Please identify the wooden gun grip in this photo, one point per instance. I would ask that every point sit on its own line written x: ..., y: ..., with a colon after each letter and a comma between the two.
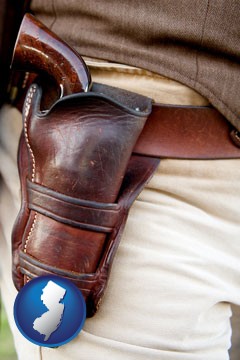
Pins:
x: 39, y: 50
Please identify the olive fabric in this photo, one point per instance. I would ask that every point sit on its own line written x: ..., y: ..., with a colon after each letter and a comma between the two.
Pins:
x: 196, y: 42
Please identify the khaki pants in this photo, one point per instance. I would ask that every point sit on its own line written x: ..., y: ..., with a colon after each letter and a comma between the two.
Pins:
x: 177, y: 269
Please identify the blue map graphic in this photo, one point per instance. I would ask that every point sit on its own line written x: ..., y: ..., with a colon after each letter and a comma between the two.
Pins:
x: 49, y: 311
x: 49, y: 321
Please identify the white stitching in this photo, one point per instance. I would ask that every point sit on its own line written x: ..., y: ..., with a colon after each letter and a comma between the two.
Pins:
x: 30, y: 232
x: 26, y: 113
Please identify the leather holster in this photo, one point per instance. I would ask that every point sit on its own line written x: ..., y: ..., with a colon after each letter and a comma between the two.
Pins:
x: 78, y: 180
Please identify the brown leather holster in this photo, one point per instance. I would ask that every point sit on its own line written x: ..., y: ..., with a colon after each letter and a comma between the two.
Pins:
x: 78, y: 180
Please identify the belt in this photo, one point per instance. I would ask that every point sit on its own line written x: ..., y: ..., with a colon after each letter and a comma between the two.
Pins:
x: 186, y: 132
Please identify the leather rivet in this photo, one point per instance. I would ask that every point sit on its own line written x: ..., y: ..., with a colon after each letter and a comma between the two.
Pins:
x: 235, y: 136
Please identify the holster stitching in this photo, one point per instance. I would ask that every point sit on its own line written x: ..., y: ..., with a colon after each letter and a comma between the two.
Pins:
x: 26, y: 113
x: 27, y: 107
x: 30, y: 232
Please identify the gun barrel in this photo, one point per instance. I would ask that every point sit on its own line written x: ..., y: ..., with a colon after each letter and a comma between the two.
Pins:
x: 39, y: 50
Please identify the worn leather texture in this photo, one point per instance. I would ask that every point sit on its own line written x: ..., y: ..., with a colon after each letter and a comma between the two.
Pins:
x: 188, y: 132
x: 78, y: 183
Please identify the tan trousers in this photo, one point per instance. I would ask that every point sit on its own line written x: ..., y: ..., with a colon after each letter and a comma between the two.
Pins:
x: 177, y: 269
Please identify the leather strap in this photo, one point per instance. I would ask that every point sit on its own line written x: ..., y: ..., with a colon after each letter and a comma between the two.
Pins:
x: 84, y: 214
x: 187, y: 133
